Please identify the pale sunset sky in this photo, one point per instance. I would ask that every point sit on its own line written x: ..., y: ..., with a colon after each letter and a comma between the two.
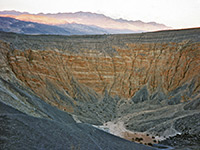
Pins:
x: 174, y: 13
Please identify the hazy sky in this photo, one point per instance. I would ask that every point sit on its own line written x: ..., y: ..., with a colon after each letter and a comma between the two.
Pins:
x: 174, y: 13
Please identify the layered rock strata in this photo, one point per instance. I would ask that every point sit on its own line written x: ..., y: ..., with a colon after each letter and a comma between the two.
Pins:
x: 148, y: 81
x: 85, y: 75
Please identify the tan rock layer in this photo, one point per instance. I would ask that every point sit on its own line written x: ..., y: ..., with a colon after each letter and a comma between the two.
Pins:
x: 157, y: 65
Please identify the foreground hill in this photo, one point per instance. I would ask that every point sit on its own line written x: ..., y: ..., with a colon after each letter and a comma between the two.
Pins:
x: 137, y: 85
x: 21, y: 131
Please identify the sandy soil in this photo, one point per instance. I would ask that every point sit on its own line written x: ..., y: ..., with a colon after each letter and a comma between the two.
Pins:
x: 118, y: 129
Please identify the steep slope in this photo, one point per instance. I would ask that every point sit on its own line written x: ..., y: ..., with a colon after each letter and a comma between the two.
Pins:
x: 147, y: 83
x: 16, y: 128
x: 27, y: 122
x: 112, y: 63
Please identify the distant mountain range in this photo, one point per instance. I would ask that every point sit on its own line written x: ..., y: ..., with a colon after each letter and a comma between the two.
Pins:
x: 72, y: 23
x: 17, y: 26
x: 8, y: 24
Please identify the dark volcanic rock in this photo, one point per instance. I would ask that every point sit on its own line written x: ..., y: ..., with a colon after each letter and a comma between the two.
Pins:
x: 189, y: 127
x: 158, y: 96
x: 141, y: 96
x: 189, y: 124
x: 195, y: 104
x: 184, y: 142
x: 19, y: 131
x: 37, y: 107
x: 175, y: 100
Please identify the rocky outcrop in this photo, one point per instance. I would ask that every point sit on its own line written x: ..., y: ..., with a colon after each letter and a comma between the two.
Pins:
x: 190, y: 137
x: 86, y: 74
x: 147, y: 81
x: 195, y: 104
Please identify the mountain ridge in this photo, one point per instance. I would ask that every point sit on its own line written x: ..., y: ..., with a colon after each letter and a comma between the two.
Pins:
x: 87, y: 18
x: 26, y: 27
x: 13, y: 25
